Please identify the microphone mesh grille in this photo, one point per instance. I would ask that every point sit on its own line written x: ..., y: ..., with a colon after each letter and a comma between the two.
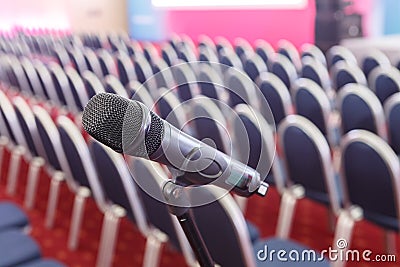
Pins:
x: 154, y: 135
x: 103, y: 118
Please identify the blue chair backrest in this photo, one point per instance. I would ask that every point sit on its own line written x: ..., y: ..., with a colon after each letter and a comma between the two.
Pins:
x: 170, y: 109
x: 49, y: 136
x: 74, y: 158
x: 106, y: 61
x: 241, y: 88
x: 392, y: 112
x: 210, y: 123
x: 340, y: 53
x: 312, y: 102
x: 77, y: 87
x: 92, y: 84
x: 117, y: 182
x: 147, y: 177
x: 284, y: 69
x: 185, y: 81
x: 373, y: 59
x: 344, y: 73
x: 385, y: 82
x: 360, y: 109
x: 223, y: 229
x: 125, y: 68
x: 371, y: 177
x: 209, y: 81
x: 265, y: 51
x: 276, y: 94
x: 299, y: 137
x: 316, y: 71
x: 254, y: 142
x: 254, y: 66
x: 27, y: 122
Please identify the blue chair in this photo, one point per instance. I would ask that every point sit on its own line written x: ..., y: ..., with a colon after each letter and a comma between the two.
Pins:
x: 253, y: 66
x: 253, y: 138
x: 206, y: 41
x: 92, y: 61
x: 61, y: 85
x: 120, y: 188
x: 81, y: 169
x: 340, y: 53
x: 311, y: 50
x: 114, y: 86
x: 12, y: 217
x: 77, y: 88
x: 284, y: 69
x: 17, y: 248
x: 287, y: 49
x: 43, y: 263
x: 185, y: 80
x: 162, y: 74
x: 32, y: 77
x: 277, y: 95
x: 149, y: 51
x: 392, y: 112
x: 142, y: 68
x: 298, y: 136
x: 107, y: 63
x: 228, y: 239
x: 45, y: 80
x: 27, y: 123
x: 144, y: 73
x: 210, y: 82
x: 359, y: 108
x: 313, y: 103
x: 137, y: 91
x: 242, y: 47
x: 54, y: 157
x: 314, y: 70
x: 168, y: 54
x: 19, y: 78
x: 134, y: 48
x: 374, y: 58
x: 229, y: 58
x: 92, y: 84
x: 171, y: 109
x: 77, y: 59
x: 384, y: 82
x: 62, y: 56
x: 312, y: 176
x: 369, y: 168
x: 343, y: 73
x: 207, y: 54
x: 185, y: 52
x: 126, y: 70
x: 265, y: 51
x: 222, y: 43
x: 241, y: 89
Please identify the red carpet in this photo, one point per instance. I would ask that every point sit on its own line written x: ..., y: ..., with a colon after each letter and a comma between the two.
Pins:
x: 310, y: 228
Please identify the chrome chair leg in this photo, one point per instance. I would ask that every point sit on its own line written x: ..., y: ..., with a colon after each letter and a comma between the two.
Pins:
x: 35, y: 166
x: 52, y: 201
x: 13, y: 171
x: 77, y: 217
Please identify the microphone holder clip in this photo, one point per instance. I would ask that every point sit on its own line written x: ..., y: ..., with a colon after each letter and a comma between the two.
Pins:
x: 179, y: 205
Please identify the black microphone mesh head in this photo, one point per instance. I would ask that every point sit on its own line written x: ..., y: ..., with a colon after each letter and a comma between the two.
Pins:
x: 103, y: 118
x: 118, y: 123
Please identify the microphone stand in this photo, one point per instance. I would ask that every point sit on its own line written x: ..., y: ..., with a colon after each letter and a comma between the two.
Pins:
x: 174, y: 193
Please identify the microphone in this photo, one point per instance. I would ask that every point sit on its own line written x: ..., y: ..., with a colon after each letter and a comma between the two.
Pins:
x: 129, y: 127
